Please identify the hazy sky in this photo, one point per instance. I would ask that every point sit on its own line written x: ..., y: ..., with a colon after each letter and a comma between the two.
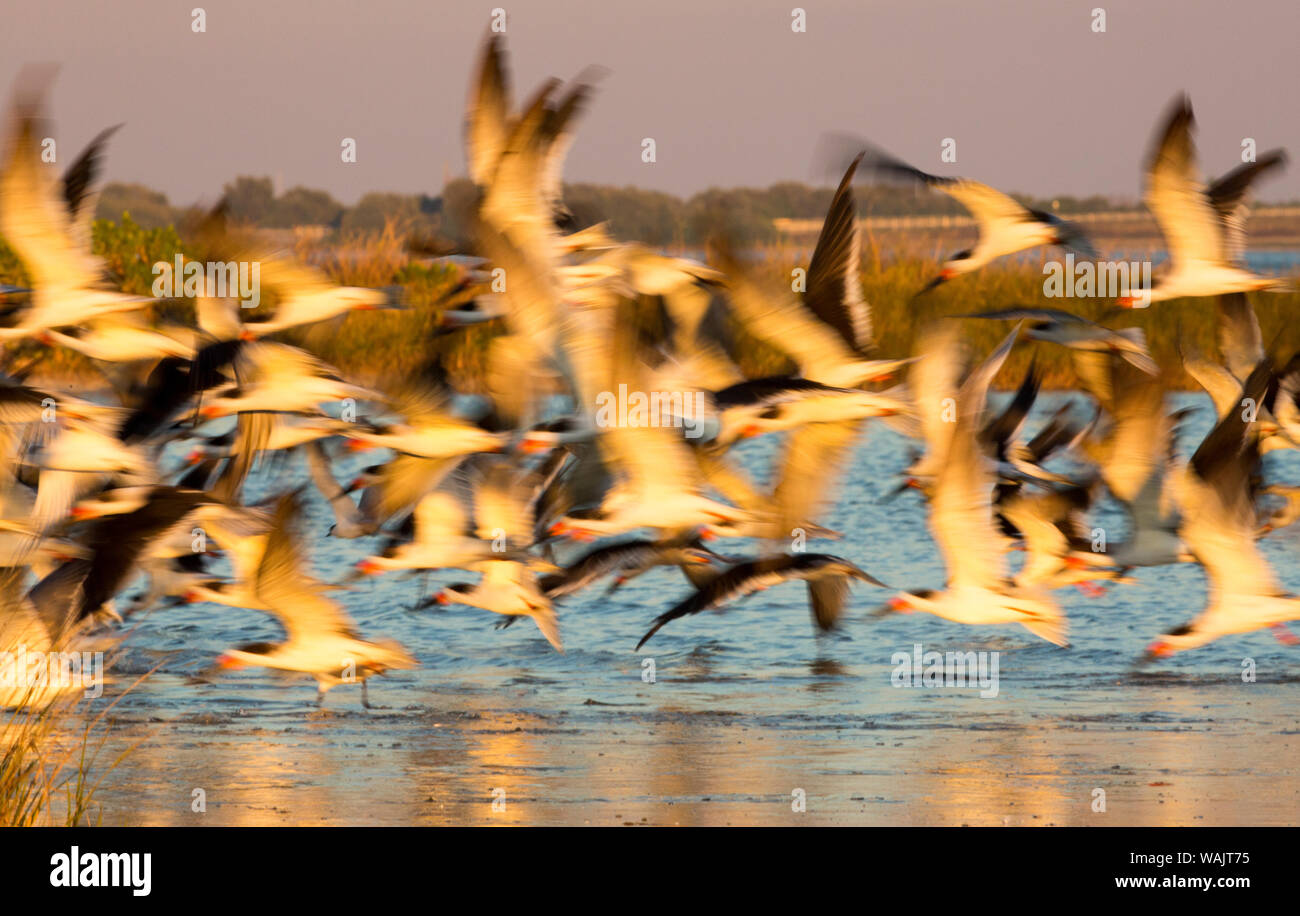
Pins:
x: 1036, y: 101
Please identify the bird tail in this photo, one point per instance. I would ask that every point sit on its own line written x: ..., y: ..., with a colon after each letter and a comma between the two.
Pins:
x: 546, y: 620
x: 1072, y: 238
x: 596, y: 236
x: 1051, y: 627
x: 393, y: 655
x: 1138, y: 357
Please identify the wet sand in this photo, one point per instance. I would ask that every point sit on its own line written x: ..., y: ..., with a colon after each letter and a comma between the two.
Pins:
x: 1196, y: 761
x: 747, y: 706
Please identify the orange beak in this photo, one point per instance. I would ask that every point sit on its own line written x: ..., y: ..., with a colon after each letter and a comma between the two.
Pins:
x: 531, y: 446
x: 442, y: 598
x: 898, y: 603
x: 228, y: 663
x: 357, y: 445
x: 209, y: 411
x: 750, y: 431
x: 367, y: 568
x: 81, y: 512
x: 1160, y: 649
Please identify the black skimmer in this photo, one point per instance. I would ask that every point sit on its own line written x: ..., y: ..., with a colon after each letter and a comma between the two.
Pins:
x: 828, y: 579
x: 1215, y: 490
x: 277, y: 378
x: 320, y: 638
x: 442, y: 538
x: 1058, y: 544
x: 507, y: 587
x: 307, y: 296
x: 961, y: 509
x: 625, y: 560
x: 122, y: 338
x: 1204, y: 227
x: 779, y: 403
x: 1132, y: 446
x: 349, y: 521
x: 1005, y: 225
x: 1069, y: 330
x: 49, y: 231
x: 828, y: 332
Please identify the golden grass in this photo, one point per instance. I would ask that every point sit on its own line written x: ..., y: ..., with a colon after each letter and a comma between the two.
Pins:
x: 49, y: 771
x: 389, y: 347
x: 890, y: 285
x: 44, y: 779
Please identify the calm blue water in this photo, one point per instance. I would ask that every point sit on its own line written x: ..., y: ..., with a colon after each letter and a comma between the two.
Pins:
x: 1261, y: 262
x: 747, y: 705
x: 1265, y: 262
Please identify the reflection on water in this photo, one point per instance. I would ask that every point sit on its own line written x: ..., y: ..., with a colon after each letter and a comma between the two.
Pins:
x: 745, y: 707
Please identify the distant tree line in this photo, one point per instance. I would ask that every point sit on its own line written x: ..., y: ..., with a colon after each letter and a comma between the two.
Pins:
x: 653, y: 217
x: 253, y: 201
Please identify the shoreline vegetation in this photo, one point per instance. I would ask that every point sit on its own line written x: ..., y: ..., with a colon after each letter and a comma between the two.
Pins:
x: 655, y: 218
x: 52, y: 763
x: 900, y: 253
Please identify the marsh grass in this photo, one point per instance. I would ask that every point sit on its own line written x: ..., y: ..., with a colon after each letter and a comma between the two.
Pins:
x: 49, y: 767
x: 390, y: 347
x: 891, y: 283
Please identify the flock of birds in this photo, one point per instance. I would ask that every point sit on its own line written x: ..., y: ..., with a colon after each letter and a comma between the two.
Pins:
x: 505, y: 484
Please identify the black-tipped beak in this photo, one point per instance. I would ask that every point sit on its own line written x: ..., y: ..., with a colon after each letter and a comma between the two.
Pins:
x: 937, y: 281
x: 895, y: 493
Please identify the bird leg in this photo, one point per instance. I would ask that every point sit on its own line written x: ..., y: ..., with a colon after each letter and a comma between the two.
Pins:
x: 1091, y: 589
x: 424, y: 587
x: 1284, y: 635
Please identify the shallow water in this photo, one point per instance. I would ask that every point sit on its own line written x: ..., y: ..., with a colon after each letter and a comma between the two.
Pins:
x: 748, y: 707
